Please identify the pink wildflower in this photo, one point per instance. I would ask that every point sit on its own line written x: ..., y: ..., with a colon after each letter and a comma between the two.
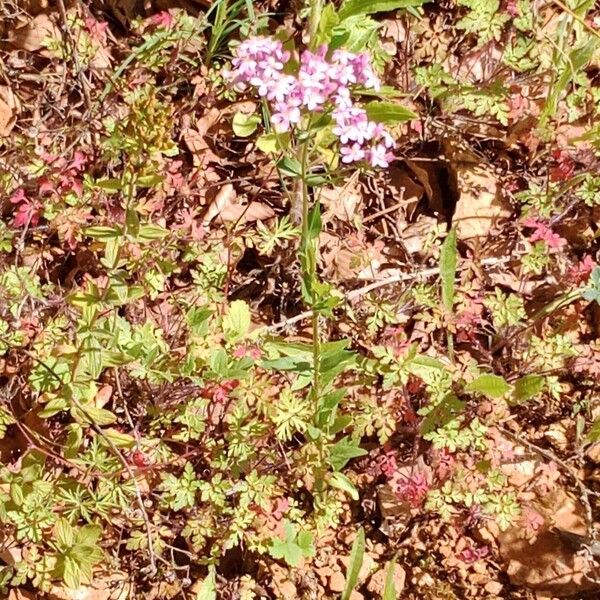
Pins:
x: 320, y: 84
x: 285, y: 116
x: 379, y: 156
x: 352, y: 153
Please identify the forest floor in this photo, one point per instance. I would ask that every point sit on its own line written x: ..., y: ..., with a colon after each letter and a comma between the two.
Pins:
x: 299, y: 300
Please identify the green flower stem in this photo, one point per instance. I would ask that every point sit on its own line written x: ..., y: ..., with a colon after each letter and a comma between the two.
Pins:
x: 311, y: 264
x: 314, y: 18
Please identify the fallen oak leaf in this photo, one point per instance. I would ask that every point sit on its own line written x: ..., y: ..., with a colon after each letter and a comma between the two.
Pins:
x: 228, y: 210
x: 35, y: 35
x: 9, y: 110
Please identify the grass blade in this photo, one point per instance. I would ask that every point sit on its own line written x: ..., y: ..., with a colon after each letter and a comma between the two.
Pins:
x: 356, y: 560
x: 389, y: 591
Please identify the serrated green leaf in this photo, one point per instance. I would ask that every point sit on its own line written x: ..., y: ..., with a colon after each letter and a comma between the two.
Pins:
x: 208, y: 589
x: 305, y: 543
x: 492, y: 386
x: 71, y: 573
x: 245, y: 125
x: 356, y: 559
x: 293, y: 547
x: 88, y: 535
x: 388, y: 112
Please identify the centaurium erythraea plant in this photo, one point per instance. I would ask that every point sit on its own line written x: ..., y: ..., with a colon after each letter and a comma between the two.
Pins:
x: 324, y: 82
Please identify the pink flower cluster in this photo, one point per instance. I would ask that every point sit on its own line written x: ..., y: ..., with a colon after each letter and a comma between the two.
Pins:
x: 321, y: 84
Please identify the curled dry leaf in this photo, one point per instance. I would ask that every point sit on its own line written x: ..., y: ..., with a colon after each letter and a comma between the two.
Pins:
x: 35, y: 34
x: 225, y: 208
x: 341, y: 201
x: 548, y: 563
x: 103, y: 396
x: 195, y: 138
x: 480, y: 205
x: 9, y: 110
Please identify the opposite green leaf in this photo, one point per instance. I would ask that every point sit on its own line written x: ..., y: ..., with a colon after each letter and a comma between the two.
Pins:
x: 344, y: 451
x: 448, y: 262
x: 528, y: 387
x: 389, y: 112
x: 492, y: 386
x: 341, y: 482
x: 245, y: 125
x: 369, y: 7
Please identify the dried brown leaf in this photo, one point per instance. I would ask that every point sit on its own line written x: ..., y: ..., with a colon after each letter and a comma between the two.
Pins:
x: 34, y: 35
x: 9, y: 110
x: 480, y: 205
x: 225, y: 208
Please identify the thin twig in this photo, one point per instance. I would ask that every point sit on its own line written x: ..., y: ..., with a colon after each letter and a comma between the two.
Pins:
x: 80, y: 75
x: 354, y: 294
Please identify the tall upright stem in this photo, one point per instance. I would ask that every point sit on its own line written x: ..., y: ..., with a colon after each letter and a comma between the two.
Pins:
x: 311, y: 268
x: 313, y: 20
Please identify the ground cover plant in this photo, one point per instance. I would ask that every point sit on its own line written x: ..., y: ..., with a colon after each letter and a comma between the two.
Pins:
x: 299, y: 299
